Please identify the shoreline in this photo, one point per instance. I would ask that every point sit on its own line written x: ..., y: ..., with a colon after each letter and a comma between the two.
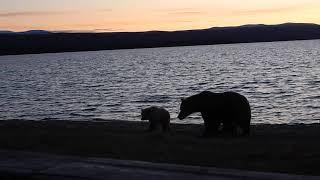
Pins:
x: 139, y: 121
x: 281, y: 148
x: 138, y: 48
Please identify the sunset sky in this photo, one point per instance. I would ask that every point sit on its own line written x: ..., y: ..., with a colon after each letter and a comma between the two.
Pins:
x: 145, y: 15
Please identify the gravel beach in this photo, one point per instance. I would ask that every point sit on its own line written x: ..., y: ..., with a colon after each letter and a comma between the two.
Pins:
x: 293, y: 149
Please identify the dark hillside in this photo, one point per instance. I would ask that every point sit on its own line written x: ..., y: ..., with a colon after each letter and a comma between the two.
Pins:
x: 24, y: 43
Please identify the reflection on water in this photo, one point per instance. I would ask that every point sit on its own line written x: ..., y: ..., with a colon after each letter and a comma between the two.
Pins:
x: 280, y: 79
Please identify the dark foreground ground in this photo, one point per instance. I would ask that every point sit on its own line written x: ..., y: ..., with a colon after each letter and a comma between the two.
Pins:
x: 293, y: 149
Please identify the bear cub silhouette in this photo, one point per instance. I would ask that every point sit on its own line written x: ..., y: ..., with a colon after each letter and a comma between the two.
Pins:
x: 229, y: 110
x: 157, y: 116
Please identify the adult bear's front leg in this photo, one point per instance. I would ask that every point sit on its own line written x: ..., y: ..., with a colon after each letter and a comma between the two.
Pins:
x: 228, y: 126
x: 211, y: 126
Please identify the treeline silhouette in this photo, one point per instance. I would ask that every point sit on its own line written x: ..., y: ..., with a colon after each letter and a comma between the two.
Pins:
x: 26, y: 43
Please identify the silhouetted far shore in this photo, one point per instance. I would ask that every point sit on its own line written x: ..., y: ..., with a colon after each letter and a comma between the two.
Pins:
x: 46, y: 42
x: 283, y: 148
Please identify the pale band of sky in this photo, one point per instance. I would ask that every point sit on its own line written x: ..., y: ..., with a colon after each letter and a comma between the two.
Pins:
x: 146, y: 15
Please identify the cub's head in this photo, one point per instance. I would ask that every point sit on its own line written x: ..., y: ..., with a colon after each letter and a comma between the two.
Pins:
x: 146, y: 113
x: 185, y: 109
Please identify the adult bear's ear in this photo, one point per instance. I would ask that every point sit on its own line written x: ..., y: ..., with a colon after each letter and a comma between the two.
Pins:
x: 182, y: 99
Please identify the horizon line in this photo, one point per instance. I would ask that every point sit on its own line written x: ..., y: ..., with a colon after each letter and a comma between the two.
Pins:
x: 111, y: 31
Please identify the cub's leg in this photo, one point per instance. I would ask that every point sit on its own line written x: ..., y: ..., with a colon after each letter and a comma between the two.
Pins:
x: 152, y: 126
x: 165, y: 127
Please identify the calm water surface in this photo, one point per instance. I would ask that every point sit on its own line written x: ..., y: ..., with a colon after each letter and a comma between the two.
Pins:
x: 280, y: 79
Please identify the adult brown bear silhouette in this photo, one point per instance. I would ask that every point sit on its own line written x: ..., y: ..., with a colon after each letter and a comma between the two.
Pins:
x: 229, y: 109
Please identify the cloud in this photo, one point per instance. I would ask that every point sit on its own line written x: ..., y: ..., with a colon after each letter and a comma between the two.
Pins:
x: 32, y: 13
x: 268, y: 11
x: 183, y: 21
x: 188, y: 13
x: 107, y: 30
x: 105, y: 10
x: 182, y: 11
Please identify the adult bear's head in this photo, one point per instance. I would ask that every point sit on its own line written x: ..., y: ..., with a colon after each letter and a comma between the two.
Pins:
x: 185, y: 108
x: 192, y: 104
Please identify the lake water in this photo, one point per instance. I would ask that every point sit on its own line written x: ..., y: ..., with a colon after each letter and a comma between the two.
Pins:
x: 280, y: 79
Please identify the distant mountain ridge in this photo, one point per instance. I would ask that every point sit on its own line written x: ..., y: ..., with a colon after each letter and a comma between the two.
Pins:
x: 40, y: 41
x: 35, y: 32
x: 26, y: 32
x: 5, y: 32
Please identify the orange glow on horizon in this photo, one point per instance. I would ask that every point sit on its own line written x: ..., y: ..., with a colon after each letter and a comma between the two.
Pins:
x: 143, y: 15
